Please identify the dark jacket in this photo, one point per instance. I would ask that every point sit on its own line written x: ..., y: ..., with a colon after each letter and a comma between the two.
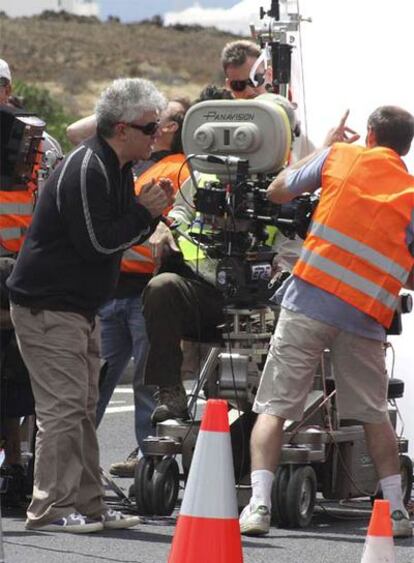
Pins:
x: 86, y: 216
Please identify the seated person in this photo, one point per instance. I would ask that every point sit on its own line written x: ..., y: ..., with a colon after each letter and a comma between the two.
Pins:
x: 182, y: 301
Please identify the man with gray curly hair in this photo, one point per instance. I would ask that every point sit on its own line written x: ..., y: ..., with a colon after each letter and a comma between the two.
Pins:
x: 68, y: 267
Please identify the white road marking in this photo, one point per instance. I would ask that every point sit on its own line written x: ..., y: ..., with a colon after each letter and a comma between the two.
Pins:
x: 114, y: 410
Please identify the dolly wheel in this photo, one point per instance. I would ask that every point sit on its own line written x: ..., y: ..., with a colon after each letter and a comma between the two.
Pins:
x: 279, y: 488
x: 165, y: 486
x: 406, y: 468
x: 300, y: 496
x: 144, y: 472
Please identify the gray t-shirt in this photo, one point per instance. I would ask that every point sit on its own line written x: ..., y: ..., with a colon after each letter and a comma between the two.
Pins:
x: 303, y: 297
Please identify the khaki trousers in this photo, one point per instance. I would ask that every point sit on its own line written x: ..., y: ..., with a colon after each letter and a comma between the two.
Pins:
x: 358, y: 366
x: 61, y: 352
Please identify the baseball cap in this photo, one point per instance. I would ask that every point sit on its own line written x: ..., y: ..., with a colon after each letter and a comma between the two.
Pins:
x: 5, y: 70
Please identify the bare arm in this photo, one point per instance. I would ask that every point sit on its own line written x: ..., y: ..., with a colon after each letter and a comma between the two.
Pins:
x: 82, y: 129
x: 278, y: 191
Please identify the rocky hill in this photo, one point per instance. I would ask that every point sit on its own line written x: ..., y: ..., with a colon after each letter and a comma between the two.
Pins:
x: 75, y: 57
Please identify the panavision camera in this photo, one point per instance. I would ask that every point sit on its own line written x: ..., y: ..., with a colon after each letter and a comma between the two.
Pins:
x: 20, y: 137
x: 237, y: 147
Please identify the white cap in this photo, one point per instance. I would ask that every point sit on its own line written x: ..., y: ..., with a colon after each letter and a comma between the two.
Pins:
x: 5, y: 70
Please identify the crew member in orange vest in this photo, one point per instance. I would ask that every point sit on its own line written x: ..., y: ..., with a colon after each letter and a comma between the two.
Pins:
x: 16, y: 207
x: 123, y: 332
x: 342, y: 295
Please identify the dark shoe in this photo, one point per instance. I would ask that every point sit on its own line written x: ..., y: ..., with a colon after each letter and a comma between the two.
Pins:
x: 172, y: 404
x: 12, y: 487
x: 125, y: 468
x: 74, y: 523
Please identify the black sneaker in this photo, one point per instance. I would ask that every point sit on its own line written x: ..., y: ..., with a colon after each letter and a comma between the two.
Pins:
x: 173, y: 404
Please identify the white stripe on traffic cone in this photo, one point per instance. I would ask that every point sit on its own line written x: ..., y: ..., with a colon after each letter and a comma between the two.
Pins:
x: 208, y: 527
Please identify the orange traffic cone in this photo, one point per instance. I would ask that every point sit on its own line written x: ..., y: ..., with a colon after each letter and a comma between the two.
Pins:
x: 379, y: 545
x: 208, y: 526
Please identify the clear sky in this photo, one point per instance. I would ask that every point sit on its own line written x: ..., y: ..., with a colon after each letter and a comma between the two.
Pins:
x: 135, y: 10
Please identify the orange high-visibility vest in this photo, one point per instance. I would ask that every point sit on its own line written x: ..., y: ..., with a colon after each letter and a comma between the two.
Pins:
x: 138, y: 259
x: 16, y: 210
x: 356, y: 248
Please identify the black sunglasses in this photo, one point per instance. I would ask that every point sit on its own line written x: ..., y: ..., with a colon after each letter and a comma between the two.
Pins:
x: 148, y: 129
x: 240, y: 85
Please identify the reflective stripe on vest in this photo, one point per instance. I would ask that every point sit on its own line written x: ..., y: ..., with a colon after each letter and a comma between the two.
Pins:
x: 134, y: 256
x: 360, y: 249
x: 354, y: 280
x: 357, y: 248
x: 138, y: 260
x: 8, y: 208
x: 12, y: 233
x: 16, y: 208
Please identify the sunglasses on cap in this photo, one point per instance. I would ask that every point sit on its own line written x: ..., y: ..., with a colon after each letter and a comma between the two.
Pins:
x: 240, y: 85
x: 148, y: 129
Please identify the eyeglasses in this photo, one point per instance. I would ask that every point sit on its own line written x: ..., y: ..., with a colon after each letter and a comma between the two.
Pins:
x: 240, y: 85
x: 148, y: 129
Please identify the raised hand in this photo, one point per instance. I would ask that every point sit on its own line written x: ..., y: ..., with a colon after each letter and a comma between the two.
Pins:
x: 341, y: 133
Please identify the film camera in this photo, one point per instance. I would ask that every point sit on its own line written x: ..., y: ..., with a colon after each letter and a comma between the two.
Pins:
x: 241, y: 146
x: 28, y: 154
x: 21, y: 134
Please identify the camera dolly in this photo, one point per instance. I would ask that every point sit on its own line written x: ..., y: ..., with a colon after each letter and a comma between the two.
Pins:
x: 321, y: 455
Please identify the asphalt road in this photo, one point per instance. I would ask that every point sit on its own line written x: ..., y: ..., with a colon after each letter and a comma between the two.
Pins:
x: 334, y: 536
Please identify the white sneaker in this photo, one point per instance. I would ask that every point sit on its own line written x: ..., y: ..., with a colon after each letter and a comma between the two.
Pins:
x: 401, y: 525
x: 74, y: 523
x: 255, y: 521
x: 116, y: 520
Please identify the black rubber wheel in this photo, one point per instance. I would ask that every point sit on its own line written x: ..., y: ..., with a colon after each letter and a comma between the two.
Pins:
x: 406, y: 477
x: 165, y: 486
x: 395, y: 388
x: 300, y: 496
x: 144, y: 472
x: 278, y: 495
